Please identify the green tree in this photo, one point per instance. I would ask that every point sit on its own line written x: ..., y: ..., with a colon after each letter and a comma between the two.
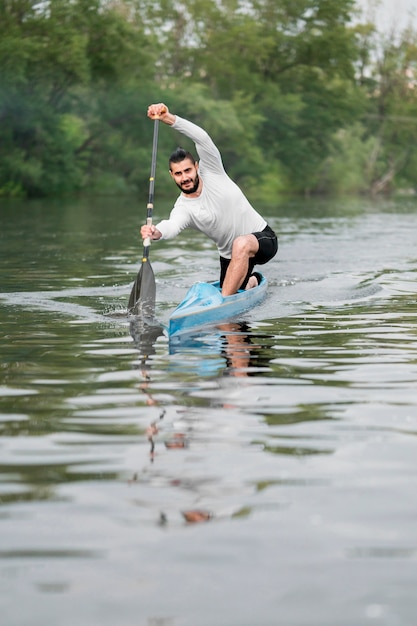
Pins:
x: 392, y: 112
x: 298, y: 98
x: 61, y: 64
x: 292, y: 61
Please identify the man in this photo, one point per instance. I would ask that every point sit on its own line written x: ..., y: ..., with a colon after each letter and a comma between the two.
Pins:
x: 213, y: 204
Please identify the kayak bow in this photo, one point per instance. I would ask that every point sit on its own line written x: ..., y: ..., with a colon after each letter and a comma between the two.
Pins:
x: 204, y: 304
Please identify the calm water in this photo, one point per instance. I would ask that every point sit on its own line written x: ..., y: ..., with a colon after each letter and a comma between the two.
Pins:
x: 290, y: 431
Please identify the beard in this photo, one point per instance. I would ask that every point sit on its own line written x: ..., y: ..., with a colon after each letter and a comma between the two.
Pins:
x: 192, y: 189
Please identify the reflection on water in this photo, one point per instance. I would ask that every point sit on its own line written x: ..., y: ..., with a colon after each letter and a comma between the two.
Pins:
x: 144, y: 338
x: 290, y: 433
x: 233, y: 345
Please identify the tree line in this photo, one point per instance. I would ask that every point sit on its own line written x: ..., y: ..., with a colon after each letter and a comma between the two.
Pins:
x: 301, y: 96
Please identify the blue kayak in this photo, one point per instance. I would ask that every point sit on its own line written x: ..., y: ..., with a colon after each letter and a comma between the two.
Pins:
x: 204, y: 304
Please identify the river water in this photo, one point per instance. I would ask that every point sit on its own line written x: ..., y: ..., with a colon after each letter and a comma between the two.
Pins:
x: 259, y: 473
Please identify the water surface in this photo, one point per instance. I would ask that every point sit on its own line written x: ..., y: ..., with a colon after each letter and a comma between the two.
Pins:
x: 291, y: 431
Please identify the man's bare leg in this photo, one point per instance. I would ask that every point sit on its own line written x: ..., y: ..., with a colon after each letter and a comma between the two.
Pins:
x: 244, y: 248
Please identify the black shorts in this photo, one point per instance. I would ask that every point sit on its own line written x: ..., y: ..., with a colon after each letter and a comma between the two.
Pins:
x: 268, y: 247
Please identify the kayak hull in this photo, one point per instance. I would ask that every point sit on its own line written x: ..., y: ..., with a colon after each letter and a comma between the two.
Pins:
x: 204, y: 304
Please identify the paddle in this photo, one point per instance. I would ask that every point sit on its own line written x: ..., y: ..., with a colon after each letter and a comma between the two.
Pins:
x: 142, y: 297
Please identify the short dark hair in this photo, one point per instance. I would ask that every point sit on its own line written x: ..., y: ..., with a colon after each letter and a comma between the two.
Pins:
x: 179, y: 155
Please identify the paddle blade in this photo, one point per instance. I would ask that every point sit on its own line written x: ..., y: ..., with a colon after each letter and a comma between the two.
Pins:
x: 142, y: 296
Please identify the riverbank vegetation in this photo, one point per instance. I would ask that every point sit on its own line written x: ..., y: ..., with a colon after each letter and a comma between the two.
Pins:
x: 302, y: 97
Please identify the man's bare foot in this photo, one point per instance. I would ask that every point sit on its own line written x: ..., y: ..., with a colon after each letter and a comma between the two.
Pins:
x: 252, y: 282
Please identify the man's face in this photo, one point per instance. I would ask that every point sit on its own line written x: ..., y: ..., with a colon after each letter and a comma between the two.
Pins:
x: 185, y: 175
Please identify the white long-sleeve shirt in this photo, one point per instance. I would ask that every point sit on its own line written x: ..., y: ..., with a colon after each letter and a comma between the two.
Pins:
x: 222, y: 211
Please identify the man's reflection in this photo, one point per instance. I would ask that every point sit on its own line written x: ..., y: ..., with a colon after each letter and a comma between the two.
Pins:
x: 237, y: 348
x: 229, y: 349
x: 241, y: 352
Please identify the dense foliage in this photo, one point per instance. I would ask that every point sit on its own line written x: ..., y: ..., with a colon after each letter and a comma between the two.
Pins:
x: 300, y: 95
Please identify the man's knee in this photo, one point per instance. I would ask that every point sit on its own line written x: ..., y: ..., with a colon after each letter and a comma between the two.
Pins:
x: 245, y: 245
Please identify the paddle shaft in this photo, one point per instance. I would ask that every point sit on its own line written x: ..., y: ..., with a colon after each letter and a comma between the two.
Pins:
x: 149, y: 211
x: 142, y: 296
